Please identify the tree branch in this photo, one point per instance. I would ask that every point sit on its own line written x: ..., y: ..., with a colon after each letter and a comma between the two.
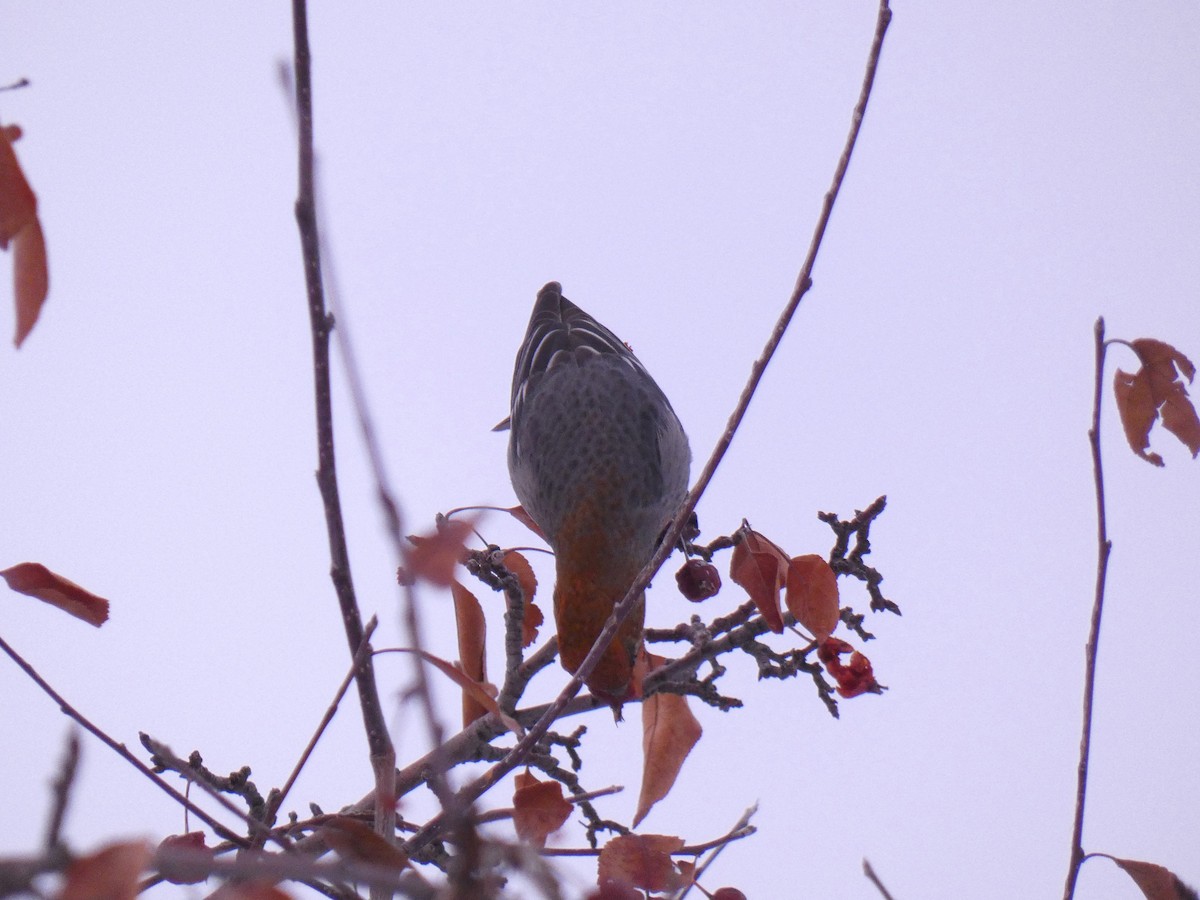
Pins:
x: 383, y: 755
x: 1104, y: 548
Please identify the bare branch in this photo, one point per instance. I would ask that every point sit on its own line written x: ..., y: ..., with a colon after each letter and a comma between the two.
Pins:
x: 874, y: 879
x: 383, y: 755
x: 1104, y: 548
x: 277, y: 798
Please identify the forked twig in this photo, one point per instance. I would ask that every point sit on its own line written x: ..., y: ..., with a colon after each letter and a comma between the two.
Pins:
x: 277, y: 799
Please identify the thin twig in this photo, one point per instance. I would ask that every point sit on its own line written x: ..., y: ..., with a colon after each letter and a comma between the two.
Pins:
x: 625, y: 607
x: 384, y: 493
x: 743, y: 825
x: 124, y: 753
x: 1104, y: 546
x: 383, y: 754
x: 276, y: 801
x: 62, y: 790
x: 874, y: 879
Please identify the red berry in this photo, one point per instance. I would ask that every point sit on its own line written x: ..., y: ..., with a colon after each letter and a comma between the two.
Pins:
x: 728, y: 893
x: 698, y: 580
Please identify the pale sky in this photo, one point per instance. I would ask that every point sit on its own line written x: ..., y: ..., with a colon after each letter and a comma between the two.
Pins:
x: 1024, y: 168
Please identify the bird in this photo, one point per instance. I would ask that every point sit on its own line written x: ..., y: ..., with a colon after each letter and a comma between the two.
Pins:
x: 600, y: 462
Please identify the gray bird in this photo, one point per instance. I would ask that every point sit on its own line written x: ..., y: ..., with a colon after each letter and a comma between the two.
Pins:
x: 600, y: 462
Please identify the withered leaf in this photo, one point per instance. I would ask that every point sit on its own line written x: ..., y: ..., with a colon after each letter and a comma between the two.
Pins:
x: 1157, y: 390
x: 641, y: 860
x: 539, y: 808
x: 1156, y: 882
x: 435, y: 556
x: 518, y: 513
x: 19, y: 225
x: 760, y: 567
x: 472, y: 647
x: 852, y: 679
x: 812, y: 594
x: 35, y: 580
x: 482, y: 693
x: 669, y: 732
x: 517, y: 564
x: 356, y: 840
x: 110, y: 873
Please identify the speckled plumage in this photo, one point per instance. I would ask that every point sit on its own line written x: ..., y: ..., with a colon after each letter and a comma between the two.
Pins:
x: 599, y: 460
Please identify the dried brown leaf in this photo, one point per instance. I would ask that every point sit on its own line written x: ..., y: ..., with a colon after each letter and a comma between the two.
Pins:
x: 472, y: 647
x: 760, y: 567
x: 517, y: 564
x: 19, y: 225
x: 641, y: 860
x: 483, y: 694
x: 1157, y: 390
x: 518, y: 513
x: 1155, y: 881
x: 356, y: 840
x: 35, y: 580
x: 435, y: 556
x: 108, y: 874
x: 539, y: 808
x: 669, y: 732
x: 812, y: 594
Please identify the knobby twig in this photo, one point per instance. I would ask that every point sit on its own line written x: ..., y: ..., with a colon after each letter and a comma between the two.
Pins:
x: 216, y: 786
x: 624, y: 608
x: 1104, y: 546
x: 123, y: 752
x: 383, y: 754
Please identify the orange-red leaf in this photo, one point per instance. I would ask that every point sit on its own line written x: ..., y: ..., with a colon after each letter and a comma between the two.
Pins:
x: 434, y: 556
x: 761, y: 569
x: 108, y: 874
x: 539, y: 808
x: 853, y: 679
x: 19, y: 224
x: 518, y: 513
x: 519, y: 566
x: 18, y: 203
x: 184, y: 858
x: 641, y: 860
x: 812, y: 594
x: 613, y: 890
x: 35, y: 580
x: 1155, y: 881
x: 669, y: 732
x: 472, y: 647
x: 1155, y: 390
x: 483, y: 694
x: 356, y: 840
